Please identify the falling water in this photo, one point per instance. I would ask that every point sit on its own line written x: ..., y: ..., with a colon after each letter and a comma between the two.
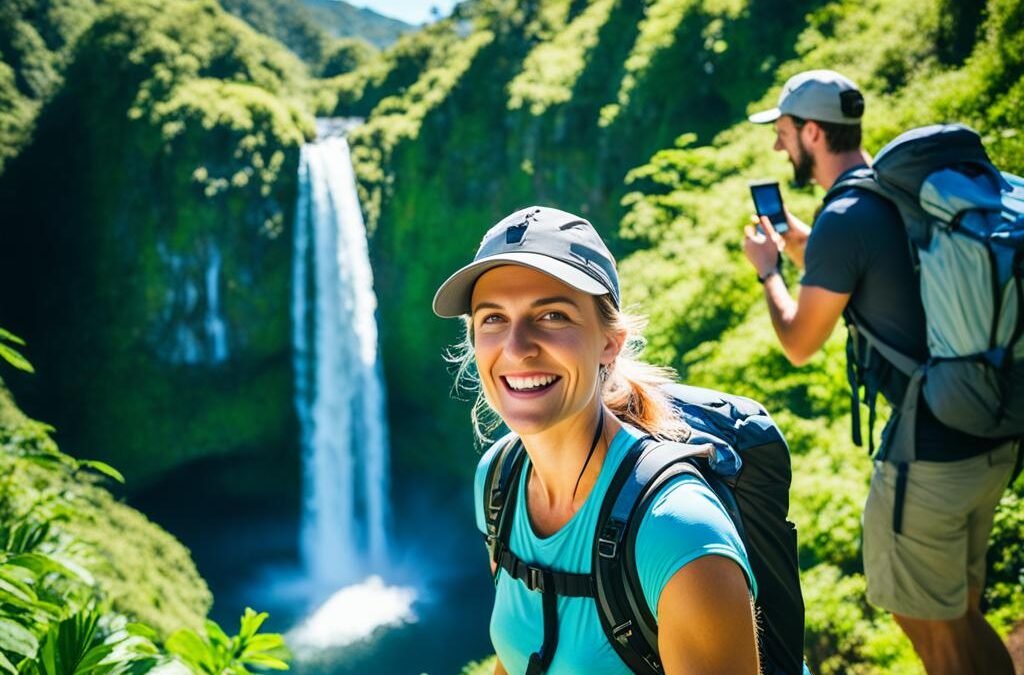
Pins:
x: 192, y: 329
x: 339, y: 395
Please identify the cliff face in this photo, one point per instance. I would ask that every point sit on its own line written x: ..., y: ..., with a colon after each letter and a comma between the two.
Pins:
x: 552, y: 103
x: 147, y: 232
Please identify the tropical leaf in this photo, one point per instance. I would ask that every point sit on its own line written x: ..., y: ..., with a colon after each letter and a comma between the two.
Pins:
x: 15, y: 585
x: 263, y: 643
x: 103, y: 468
x: 11, y: 337
x: 16, y: 638
x: 191, y: 649
x: 141, y: 630
x: 5, y: 664
x: 15, y: 359
x: 217, y: 638
x: 264, y: 661
x: 250, y: 623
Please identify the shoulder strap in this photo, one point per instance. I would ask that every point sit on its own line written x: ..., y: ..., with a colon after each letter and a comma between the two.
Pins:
x: 499, y: 490
x: 625, y: 617
x: 863, y: 178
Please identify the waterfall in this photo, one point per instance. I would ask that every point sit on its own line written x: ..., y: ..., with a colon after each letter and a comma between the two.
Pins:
x: 191, y: 329
x: 339, y: 393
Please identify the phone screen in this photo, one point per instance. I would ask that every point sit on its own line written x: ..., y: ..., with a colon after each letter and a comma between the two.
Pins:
x: 768, y: 202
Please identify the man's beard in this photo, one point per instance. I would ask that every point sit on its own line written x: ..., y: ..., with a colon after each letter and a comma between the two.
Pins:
x: 803, y: 166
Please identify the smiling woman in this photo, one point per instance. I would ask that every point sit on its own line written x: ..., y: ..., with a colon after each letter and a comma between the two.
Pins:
x: 556, y: 361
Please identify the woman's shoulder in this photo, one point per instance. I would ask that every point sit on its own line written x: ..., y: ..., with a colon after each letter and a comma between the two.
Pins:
x: 683, y: 522
x: 686, y: 505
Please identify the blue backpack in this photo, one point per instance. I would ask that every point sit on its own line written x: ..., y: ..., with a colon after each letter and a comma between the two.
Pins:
x: 753, y: 487
x: 965, y: 227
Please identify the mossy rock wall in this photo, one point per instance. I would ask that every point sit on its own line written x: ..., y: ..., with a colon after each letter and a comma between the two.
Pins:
x: 149, y: 269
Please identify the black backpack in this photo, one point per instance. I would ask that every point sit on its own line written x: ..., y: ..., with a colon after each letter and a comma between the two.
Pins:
x: 756, y: 499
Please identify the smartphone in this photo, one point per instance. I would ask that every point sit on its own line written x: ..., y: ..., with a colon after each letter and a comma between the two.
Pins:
x: 768, y: 202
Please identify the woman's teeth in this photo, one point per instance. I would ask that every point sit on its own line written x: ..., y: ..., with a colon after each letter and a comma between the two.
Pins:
x: 530, y: 383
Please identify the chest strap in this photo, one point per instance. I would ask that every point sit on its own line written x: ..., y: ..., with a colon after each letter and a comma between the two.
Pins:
x: 547, y: 581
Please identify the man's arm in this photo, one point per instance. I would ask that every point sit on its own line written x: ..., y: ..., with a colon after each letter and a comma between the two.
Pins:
x: 802, y: 325
x: 706, y: 622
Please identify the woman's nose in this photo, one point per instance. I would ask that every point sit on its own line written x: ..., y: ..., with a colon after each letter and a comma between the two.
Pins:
x: 521, y: 343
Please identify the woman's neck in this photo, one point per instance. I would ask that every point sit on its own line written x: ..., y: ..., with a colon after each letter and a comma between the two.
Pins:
x: 558, y: 455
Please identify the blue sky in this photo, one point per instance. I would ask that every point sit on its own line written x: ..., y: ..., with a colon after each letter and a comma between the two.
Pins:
x: 410, y: 11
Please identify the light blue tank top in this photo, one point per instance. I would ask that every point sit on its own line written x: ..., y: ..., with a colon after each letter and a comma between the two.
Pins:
x: 684, y: 522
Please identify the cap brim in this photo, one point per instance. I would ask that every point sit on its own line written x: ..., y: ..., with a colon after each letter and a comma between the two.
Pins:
x: 453, y: 297
x: 765, y: 116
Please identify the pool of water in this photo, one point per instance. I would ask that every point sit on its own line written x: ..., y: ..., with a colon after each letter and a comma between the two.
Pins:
x: 427, y: 612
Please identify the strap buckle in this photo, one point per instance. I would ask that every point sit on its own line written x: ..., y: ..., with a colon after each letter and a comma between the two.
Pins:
x: 534, y: 578
x: 608, y: 542
x: 623, y: 632
x: 496, y: 504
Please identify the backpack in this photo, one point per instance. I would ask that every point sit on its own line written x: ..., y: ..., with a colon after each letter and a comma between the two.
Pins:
x: 965, y: 226
x: 751, y: 479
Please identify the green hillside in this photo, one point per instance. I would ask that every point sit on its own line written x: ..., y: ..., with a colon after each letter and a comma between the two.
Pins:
x: 315, y: 29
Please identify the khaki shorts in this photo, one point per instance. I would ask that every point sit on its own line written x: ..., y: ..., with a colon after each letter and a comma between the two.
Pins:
x: 924, y: 572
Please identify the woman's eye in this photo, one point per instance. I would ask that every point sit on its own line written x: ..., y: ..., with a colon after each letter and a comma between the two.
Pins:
x: 491, y: 318
x: 555, y: 315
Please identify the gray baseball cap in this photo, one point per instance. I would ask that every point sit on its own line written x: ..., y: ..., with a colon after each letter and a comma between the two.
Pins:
x: 554, y: 242
x: 822, y: 95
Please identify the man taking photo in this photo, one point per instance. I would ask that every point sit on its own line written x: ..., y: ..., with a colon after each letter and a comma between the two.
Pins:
x: 926, y: 527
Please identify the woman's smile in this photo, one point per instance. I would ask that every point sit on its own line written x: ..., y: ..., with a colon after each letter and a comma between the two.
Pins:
x: 529, y: 385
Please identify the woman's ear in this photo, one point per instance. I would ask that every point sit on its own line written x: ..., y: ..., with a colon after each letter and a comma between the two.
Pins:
x: 613, y: 345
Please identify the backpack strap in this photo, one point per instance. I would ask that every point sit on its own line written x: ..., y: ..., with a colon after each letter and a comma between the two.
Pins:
x: 863, y: 178
x: 499, y: 490
x: 625, y: 617
x: 904, y: 437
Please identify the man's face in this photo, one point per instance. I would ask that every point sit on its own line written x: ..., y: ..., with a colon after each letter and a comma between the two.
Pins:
x: 787, y: 138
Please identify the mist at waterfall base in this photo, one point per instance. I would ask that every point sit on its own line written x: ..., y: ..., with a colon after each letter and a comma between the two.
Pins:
x: 364, y: 576
x: 250, y: 557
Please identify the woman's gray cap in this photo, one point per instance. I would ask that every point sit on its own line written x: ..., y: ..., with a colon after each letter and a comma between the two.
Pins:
x: 817, y: 95
x: 554, y: 242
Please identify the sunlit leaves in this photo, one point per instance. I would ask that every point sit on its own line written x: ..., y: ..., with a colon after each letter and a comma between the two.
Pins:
x: 11, y: 355
x: 217, y: 653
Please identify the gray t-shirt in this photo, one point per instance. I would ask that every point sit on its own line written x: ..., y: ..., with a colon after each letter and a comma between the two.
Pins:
x: 858, y: 245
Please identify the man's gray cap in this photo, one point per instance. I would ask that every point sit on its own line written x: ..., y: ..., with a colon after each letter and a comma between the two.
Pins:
x: 817, y: 95
x: 554, y: 242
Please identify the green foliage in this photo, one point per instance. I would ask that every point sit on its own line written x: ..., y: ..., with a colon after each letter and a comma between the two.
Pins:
x: 346, y: 55
x: 187, y: 126
x: 217, y: 654
x: 398, y: 118
x: 82, y: 644
x: 844, y: 634
x: 65, y: 542
x: 551, y: 70
x: 71, y: 573
x: 11, y: 355
x: 482, y: 667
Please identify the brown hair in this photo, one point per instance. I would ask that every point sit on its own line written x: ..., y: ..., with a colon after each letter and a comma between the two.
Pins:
x: 633, y: 389
x: 838, y: 137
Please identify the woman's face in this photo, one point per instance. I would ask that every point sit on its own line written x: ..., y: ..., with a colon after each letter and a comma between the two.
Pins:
x: 538, y: 344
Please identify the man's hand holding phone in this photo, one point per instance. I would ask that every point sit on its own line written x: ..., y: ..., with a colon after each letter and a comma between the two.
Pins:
x: 763, y: 247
